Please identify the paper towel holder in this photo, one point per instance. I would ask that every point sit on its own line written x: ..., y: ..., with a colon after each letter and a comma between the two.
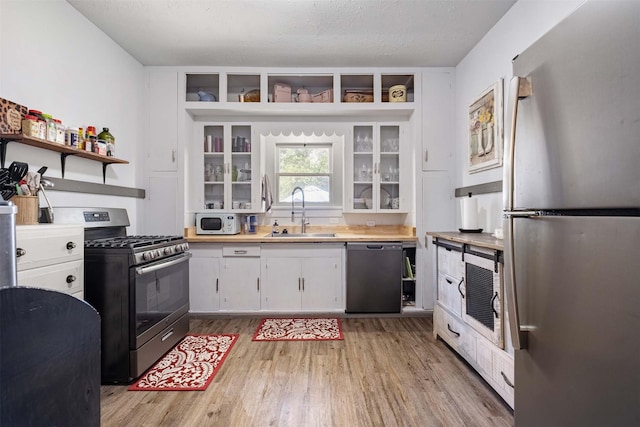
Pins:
x: 470, y: 230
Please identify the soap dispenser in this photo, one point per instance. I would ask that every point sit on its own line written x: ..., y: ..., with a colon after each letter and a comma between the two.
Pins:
x: 275, y: 227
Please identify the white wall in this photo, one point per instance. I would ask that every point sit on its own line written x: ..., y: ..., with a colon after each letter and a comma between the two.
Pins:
x: 54, y: 60
x: 487, y: 62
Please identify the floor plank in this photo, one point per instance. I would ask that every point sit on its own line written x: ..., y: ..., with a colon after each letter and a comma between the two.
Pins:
x: 388, y: 371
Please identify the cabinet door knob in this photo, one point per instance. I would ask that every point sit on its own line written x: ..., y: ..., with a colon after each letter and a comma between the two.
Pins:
x: 71, y: 245
x: 20, y: 252
x: 71, y: 278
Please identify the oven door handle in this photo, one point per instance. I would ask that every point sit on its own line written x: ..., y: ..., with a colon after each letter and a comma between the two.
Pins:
x: 159, y: 266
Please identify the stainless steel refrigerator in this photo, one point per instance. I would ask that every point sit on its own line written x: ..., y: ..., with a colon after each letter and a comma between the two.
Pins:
x: 572, y: 221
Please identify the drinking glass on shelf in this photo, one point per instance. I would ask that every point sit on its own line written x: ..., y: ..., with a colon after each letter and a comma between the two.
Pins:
x: 368, y: 143
x: 359, y: 143
x: 208, y: 171
x: 363, y: 173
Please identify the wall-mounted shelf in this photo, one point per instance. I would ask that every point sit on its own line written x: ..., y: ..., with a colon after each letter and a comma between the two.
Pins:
x: 65, y: 151
x: 208, y: 110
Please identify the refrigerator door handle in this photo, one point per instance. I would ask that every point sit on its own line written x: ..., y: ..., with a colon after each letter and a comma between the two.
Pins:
x: 519, y: 337
x: 521, y: 214
x: 519, y: 88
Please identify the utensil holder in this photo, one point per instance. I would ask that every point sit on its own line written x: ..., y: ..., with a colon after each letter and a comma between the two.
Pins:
x: 27, y: 209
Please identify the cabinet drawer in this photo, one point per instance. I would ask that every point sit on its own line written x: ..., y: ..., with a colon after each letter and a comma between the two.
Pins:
x: 503, y: 374
x: 449, y: 293
x: 456, y: 333
x: 450, y: 263
x: 247, y: 251
x: 42, y: 245
x: 484, y: 357
x: 67, y: 277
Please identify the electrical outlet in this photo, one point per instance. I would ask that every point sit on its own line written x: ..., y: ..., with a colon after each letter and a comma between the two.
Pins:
x: 371, y: 223
x: 333, y: 220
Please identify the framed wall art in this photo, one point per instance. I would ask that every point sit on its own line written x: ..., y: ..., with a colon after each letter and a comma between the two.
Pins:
x: 485, y: 129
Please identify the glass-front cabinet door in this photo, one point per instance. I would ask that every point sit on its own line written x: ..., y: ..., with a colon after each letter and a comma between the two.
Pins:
x: 376, y: 179
x: 389, y: 168
x: 230, y: 160
x: 215, y: 167
x: 363, y: 163
x: 241, y: 168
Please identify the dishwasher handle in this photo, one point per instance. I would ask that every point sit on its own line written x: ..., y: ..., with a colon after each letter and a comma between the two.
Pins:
x: 374, y: 246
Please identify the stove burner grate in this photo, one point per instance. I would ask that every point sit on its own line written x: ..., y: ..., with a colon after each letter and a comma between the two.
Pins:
x: 131, y: 241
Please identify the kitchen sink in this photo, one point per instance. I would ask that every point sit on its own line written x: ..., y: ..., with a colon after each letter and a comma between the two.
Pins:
x: 301, y: 235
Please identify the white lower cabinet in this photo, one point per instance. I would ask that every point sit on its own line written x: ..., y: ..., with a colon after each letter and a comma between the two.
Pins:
x: 493, y: 363
x: 224, y: 278
x: 204, y: 278
x: 66, y: 278
x: 304, y: 278
x: 278, y: 277
x: 240, y: 283
x: 503, y: 375
x: 51, y: 257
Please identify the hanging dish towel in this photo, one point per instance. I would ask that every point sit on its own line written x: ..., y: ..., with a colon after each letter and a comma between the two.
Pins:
x: 266, y: 193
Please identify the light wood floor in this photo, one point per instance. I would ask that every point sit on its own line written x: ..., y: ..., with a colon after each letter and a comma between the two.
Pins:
x: 388, y: 371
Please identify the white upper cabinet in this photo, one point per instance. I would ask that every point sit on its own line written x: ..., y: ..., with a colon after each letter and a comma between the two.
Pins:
x: 438, y: 139
x: 378, y: 164
x: 162, y: 137
x: 227, y: 167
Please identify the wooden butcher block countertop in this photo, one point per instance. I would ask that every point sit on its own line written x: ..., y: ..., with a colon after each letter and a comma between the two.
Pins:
x: 360, y: 233
x: 484, y: 240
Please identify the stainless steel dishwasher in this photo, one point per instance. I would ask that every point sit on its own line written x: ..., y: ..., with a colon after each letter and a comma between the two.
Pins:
x: 374, y: 277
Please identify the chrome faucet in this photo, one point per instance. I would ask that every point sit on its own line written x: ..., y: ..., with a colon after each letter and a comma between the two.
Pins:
x: 293, y: 213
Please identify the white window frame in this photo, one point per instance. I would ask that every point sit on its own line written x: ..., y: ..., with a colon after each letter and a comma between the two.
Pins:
x: 277, y: 174
x: 311, y: 134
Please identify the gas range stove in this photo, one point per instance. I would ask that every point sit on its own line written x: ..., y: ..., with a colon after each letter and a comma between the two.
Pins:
x: 138, y: 284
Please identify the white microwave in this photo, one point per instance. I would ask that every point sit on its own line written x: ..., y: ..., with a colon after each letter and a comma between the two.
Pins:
x: 217, y: 223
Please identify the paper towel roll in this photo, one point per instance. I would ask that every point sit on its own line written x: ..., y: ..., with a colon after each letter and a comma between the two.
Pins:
x: 469, y: 213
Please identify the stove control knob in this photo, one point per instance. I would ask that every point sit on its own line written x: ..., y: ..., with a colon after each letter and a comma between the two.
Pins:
x: 146, y: 256
x: 185, y: 246
x: 157, y: 253
x: 177, y: 248
x: 168, y: 250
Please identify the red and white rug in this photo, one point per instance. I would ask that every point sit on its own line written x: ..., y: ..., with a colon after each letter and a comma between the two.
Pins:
x: 300, y: 329
x: 190, y: 365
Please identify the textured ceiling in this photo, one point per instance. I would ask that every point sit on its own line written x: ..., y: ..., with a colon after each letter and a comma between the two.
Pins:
x: 296, y: 33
